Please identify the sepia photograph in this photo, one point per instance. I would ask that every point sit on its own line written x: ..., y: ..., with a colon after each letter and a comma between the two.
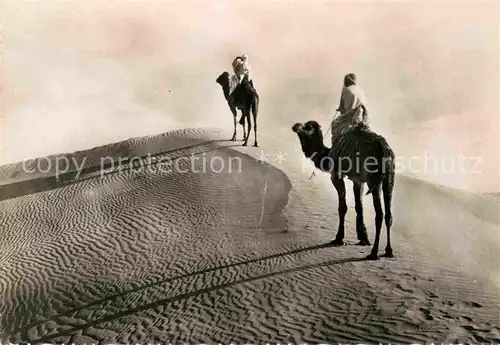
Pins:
x: 249, y: 172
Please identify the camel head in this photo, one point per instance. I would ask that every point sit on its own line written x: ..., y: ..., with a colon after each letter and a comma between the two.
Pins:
x: 310, y: 136
x: 223, y: 79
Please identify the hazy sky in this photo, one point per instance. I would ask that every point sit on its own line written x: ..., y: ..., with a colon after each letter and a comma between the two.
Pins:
x: 81, y: 74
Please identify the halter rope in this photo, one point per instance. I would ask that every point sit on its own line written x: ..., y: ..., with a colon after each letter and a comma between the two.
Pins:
x: 327, y: 132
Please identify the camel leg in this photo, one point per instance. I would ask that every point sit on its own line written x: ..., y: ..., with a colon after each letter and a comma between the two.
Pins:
x: 339, y: 185
x: 360, y: 224
x: 255, y: 129
x: 255, y: 111
x: 387, y: 187
x: 246, y: 114
x: 242, y: 123
x: 233, y: 110
x: 379, y: 217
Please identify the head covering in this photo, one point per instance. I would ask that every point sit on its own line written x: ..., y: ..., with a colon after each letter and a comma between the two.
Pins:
x: 350, y: 79
x: 244, y: 57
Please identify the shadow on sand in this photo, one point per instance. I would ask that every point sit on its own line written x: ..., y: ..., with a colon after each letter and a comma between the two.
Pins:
x: 180, y: 296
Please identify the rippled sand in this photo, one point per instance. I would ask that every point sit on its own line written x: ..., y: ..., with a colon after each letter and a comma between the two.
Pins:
x: 147, y: 255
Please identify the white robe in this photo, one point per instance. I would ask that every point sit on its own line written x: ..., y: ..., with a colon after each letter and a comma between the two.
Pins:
x: 352, y: 99
x: 233, y: 82
x: 241, y: 68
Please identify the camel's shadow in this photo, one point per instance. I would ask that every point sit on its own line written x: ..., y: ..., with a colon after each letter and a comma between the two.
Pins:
x: 191, y: 294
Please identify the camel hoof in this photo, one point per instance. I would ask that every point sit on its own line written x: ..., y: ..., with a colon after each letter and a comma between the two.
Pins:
x: 337, y: 243
x: 255, y: 145
x: 363, y: 243
x: 233, y: 139
x: 244, y: 144
x: 372, y: 256
x: 388, y: 254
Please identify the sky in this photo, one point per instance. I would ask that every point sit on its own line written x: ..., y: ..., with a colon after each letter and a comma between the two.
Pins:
x: 78, y: 74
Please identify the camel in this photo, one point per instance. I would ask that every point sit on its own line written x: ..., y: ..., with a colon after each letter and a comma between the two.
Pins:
x: 364, y: 157
x: 244, y: 97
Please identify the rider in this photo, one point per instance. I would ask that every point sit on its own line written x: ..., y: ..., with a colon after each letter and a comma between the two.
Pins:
x: 352, y: 100
x: 352, y: 106
x: 241, y: 67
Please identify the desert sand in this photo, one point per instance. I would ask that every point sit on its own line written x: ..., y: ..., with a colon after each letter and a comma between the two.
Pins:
x: 142, y: 255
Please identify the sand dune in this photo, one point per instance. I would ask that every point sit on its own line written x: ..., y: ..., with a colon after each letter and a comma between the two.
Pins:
x: 147, y: 255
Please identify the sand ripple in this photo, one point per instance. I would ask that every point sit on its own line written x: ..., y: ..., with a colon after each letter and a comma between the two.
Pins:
x: 141, y: 256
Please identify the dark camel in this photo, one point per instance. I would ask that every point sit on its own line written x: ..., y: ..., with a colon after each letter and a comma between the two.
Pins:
x: 364, y: 157
x: 245, y: 98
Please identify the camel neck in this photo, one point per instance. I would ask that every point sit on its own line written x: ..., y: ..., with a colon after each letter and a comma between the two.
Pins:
x: 225, y: 89
x: 322, y: 160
